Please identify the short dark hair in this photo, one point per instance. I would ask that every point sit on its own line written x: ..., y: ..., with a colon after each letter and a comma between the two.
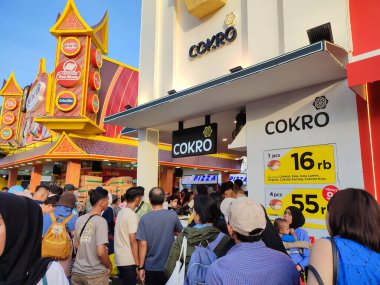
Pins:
x: 278, y: 223
x: 207, y: 209
x: 156, y: 196
x: 132, y: 193
x: 251, y: 238
x: 217, y: 197
x: 98, y: 194
x: 39, y: 187
x: 238, y: 182
x: 352, y: 215
x: 141, y: 189
x: 55, y: 189
x: 4, y: 189
x: 202, y: 190
x: 52, y: 200
x: 122, y: 198
x: 226, y: 186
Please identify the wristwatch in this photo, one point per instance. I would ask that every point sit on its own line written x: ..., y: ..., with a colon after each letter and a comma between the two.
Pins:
x: 141, y: 268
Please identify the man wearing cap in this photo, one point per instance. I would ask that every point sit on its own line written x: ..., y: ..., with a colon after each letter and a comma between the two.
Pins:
x: 63, y: 210
x: 250, y: 261
x: 71, y: 188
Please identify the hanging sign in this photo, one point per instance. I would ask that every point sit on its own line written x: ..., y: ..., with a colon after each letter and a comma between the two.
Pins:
x: 66, y: 101
x: 68, y: 73
x: 9, y: 118
x: 93, y: 103
x: 35, y: 96
x: 300, y: 165
x: 10, y: 104
x: 95, y: 80
x: 195, y: 141
x: 200, y: 179
x: 6, y: 133
x: 311, y: 201
x: 96, y: 58
x: 70, y: 46
x: 241, y: 176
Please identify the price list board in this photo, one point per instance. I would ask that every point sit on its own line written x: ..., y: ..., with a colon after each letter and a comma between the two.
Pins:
x: 305, y: 177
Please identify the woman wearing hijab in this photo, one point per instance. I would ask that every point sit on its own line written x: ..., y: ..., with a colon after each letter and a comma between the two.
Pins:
x: 296, y: 220
x: 20, y: 245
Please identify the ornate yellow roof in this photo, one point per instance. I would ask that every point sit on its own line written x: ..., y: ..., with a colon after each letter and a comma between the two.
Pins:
x: 11, y: 87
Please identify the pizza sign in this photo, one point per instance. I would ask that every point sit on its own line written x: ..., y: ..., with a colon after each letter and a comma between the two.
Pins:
x: 66, y: 101
x: 70, y: 46
x: 8, y: 118
x: 10, y: 104
x: 68, y: 73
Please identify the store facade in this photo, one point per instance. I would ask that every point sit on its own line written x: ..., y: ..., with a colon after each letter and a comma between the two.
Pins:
x: 301, y: 139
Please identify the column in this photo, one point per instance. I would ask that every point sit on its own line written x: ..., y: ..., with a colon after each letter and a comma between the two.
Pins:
x: 73, y: 172
x: 225, y: 176
x: 35, y: 178
x: 147, y: 159
x: 166, y: 179
x: 12, y: 177
x: 369, y: 120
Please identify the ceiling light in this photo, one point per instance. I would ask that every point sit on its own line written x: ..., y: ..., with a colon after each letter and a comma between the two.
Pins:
x: 109, y: 164
x: 105, y: 160
x: 224, y: 139
x: 38, y: 161
x: 30, y: 163
x: 10, y: 167
x: 225, y: 171
x: 4, y: 176
x: 22, y: 164
x: 235, y: 122
x: 195, y: 168
x: 48, y: 159
x: 178, y: 167
x: 211, y: 170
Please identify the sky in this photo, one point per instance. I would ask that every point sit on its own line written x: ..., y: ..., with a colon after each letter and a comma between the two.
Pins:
x: 25, y: 36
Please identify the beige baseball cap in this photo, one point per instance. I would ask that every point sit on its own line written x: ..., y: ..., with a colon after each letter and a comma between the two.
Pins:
x: 245, y: 215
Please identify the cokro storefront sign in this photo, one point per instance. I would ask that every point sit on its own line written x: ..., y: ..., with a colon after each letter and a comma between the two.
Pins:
x: 195, y: 141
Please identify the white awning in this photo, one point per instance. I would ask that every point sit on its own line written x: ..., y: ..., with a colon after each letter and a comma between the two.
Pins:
x: 314, y: 64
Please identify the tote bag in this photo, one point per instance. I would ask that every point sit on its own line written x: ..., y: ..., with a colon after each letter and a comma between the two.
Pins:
x: 178, y: 275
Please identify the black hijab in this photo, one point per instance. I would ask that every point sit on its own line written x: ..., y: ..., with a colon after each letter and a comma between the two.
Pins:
x: 21, y: 261
x: 298, y: 219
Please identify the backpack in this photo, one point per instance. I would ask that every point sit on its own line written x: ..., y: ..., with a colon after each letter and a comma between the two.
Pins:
x: 200, y: 261
x: 56, y: 243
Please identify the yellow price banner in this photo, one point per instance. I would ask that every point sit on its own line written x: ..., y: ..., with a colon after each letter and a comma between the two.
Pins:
x: 312, y: 203
x: 300, y: 165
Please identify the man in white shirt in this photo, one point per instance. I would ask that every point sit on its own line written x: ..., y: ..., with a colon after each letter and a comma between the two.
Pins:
x: 126, y: 247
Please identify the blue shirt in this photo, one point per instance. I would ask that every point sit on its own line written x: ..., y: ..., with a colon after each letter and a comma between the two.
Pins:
x: 62, y: 211
x: 157, y: 229
x: 295, y: 254
x: 357, y: 264
x: 253, y: 263
x: 288, y: 238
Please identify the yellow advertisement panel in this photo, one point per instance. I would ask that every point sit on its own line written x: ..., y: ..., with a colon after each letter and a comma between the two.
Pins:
x: 300, y: 165
x: 312, y: 202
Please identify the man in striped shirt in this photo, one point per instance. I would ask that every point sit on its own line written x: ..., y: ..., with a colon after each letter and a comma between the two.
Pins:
x: 250, y: 261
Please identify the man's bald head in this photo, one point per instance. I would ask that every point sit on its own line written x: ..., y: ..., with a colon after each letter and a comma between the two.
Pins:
x: 156, y: 196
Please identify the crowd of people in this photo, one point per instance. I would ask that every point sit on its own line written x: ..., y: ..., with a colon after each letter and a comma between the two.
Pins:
x: 47, y: 238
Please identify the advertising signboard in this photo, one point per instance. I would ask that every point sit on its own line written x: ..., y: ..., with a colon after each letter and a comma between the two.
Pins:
x: 195, y: 141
